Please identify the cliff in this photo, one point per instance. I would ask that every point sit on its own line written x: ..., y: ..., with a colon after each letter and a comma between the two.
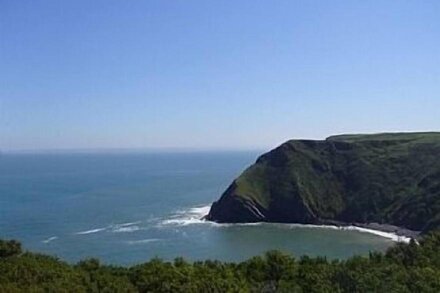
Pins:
x: 389, y: 178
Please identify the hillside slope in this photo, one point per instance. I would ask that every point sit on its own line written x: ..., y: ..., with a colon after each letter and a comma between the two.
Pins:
x: 390, y: 178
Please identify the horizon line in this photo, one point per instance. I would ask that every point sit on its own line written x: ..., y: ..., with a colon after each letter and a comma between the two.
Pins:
x: 126, y: 150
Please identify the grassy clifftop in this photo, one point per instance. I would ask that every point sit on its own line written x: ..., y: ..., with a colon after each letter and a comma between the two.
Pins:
x: 402, y: 136
x: 391, y: 178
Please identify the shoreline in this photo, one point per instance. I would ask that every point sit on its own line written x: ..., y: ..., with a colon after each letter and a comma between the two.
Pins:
x: 399, y: 232
x: 385, y: 234
x: 393, y: 235
x: 392, y: 232
x: 396, y: 233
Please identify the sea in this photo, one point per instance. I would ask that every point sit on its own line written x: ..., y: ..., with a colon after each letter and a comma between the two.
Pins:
x: 129, y: 207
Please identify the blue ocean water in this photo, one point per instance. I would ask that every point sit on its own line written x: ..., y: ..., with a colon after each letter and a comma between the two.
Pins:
x: 129, y: 207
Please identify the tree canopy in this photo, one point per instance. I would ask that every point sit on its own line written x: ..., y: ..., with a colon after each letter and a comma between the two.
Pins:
x: 413, y: 267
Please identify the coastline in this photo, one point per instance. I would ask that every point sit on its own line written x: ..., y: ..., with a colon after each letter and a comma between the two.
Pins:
x: 396, y: 233
x: 399, y: 232
x: 365, y: 228
x: 198, y: 215
x: 393, y: 235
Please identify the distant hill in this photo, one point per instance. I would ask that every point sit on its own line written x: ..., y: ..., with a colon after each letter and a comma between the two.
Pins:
x: 387, y: 178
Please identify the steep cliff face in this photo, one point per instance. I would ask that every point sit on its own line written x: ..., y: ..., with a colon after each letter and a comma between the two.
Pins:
x: 384, y: 178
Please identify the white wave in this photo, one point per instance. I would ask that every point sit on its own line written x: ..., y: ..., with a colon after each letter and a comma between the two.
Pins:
x: 143, y: 241
x: 389, y: 235
x: 50, y: 239
x: 189, y: 216
x: 392, y: 236
x: 117, y: 228
x: 182, y: 222
x: 200, y: 211
x: 125, y: 229
x: 128, y: 224
x: 312, y: 226
x: 91, y: 231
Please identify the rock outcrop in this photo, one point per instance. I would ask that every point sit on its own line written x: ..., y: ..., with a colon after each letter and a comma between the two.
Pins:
x: 390, y: 178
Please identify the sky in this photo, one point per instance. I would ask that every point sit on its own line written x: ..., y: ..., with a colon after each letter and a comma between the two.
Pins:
x: 214, y: 74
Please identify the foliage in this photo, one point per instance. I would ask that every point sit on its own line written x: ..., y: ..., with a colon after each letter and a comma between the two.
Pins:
x: 9, y: 248
x: 403, y: 268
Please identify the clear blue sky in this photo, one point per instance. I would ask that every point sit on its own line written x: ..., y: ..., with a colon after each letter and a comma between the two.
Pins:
x: 214, y: 74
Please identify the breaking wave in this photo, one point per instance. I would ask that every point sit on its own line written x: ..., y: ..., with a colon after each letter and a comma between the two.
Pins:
x: 125, y: 229
x: 392, y: 236
x: 90, y: 231
x: 50, y: 239
x: 388, y: 235
x: 189, y: 216
x: 128, y: 224
x: 143, y: 241
x: 115, y: 228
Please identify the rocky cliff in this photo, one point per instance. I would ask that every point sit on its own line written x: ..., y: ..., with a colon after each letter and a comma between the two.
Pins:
x: 391, y: 178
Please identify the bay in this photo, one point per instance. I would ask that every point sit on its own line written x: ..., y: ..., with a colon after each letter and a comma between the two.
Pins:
x: 127, y: 208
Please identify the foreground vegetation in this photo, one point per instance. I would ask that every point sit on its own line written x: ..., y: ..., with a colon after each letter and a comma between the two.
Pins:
x: 403, y: 268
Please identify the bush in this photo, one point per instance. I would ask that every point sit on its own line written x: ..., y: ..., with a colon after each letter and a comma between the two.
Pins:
x: 403, y: 268
x: 9, y: 248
